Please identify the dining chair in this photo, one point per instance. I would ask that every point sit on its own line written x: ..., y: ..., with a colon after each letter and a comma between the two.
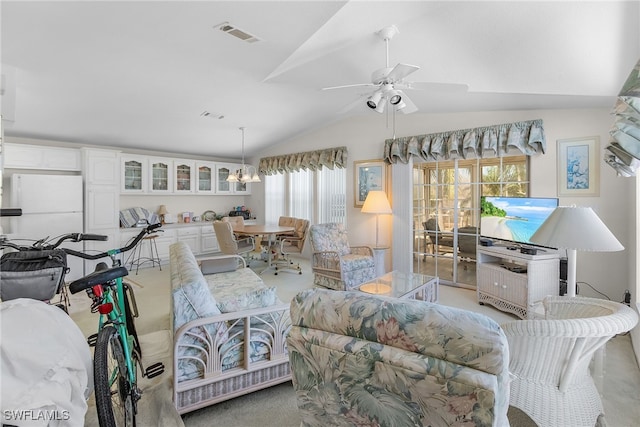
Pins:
x: 292, y: 244
x: 229, y: 244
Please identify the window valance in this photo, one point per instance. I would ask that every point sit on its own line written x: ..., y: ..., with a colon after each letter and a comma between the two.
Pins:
x: 310, y: 160
x: 490, y: 141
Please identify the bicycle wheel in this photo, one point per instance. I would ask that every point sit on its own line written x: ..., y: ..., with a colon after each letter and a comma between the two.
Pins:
x: 113, y: 392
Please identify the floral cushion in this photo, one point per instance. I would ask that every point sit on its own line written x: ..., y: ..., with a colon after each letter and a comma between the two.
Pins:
x: 367, y: 360
x: 330, y: 237
x: 256, y: 298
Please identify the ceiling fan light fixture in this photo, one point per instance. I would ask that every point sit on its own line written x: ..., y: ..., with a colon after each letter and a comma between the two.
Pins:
x: 394, y: 97
x: 374, y: 100
x: 381, y: 104
x: 400, y: 105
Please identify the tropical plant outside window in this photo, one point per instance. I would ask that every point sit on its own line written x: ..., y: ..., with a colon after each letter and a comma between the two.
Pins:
x: 446, y: 211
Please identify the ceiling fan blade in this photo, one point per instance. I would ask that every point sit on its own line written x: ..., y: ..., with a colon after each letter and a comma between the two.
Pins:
x: 351, y: 106
x: 401, y: 71
x: 346, y: 86
x: 435, y: 87
x: 410, y: 107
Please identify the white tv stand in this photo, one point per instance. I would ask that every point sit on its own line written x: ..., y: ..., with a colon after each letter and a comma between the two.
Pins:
x: 514, y: 282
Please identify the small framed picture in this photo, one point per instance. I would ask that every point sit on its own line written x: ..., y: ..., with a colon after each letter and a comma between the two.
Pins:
x: 578, y: 170
x: 368, y: 175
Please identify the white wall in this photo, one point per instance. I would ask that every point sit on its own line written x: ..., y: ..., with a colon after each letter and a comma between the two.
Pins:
x: 364, y: 136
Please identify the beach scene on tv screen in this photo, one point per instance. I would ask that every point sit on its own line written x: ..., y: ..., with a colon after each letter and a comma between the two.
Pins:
x: 514, y: 218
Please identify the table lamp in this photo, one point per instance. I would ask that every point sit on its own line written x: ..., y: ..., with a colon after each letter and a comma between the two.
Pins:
x: 162, y: 212
x: 376, y: 203
x: 575, y: 228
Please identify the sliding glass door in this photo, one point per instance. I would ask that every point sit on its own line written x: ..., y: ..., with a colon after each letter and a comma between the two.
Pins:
x: 446, y: 211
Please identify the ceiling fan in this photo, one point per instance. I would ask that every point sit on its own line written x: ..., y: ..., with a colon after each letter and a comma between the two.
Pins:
x: 389, y: 83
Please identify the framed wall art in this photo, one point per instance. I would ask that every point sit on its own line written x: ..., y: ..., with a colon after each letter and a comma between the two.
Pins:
x: 578, y: 167
x: 368, y: 175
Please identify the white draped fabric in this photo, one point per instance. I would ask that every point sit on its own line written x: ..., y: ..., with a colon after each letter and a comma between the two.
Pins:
x: 490, y: 141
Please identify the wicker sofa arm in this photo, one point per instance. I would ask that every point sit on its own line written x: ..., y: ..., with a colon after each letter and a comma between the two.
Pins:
x: 208, y: 352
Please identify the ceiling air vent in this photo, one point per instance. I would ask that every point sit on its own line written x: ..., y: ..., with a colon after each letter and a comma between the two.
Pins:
x: 237, y: 32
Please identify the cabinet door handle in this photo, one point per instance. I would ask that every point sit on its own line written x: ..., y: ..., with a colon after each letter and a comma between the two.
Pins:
x: 495, y: 283
x: 504, y: 286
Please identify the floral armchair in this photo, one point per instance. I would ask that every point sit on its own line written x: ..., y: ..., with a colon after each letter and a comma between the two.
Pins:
x: 361, y: 359
x: 335, y: 264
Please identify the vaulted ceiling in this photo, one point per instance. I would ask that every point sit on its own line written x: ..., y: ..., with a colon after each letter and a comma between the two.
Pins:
x: 142, y: 74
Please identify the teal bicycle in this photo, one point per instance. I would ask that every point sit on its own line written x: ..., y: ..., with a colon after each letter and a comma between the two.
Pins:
x: 117, y: 353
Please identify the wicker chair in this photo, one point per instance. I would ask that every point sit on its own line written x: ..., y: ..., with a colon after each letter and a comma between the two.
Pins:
x: 550, y: 358
x: 335, y: 264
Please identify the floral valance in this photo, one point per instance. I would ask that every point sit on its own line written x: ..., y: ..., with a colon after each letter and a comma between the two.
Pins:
x: 489, y: 141
x: 310, y: 160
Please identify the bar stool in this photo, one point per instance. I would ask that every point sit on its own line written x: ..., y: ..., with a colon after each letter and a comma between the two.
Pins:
x: 136, y: 256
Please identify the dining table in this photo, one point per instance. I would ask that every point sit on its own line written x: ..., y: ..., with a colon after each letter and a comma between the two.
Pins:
x: 271, y: 231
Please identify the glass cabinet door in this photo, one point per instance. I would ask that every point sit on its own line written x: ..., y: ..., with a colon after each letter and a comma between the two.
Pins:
x: 205, y: 178
x: 160, y: 176
x: 222, y: 185
x: 184, y: 176
x: 132, y: 175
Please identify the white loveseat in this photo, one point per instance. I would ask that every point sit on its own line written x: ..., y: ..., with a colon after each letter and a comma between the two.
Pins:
x: 229, y: 330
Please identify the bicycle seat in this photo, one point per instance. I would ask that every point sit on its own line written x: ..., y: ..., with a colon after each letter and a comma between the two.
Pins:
x: 97, y: 278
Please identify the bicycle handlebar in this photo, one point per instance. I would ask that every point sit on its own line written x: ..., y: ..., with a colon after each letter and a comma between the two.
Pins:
x: 147, y: 230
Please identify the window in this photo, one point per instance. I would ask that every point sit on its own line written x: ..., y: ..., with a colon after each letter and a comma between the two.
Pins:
x: 446, y: 211
x: 319, y: 196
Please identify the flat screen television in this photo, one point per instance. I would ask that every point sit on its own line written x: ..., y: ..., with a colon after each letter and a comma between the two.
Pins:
x: 514, y: 219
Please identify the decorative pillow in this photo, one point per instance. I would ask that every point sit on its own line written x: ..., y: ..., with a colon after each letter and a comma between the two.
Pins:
x: 130, y: 217
x: 194, y: 301
x: 257, y: 298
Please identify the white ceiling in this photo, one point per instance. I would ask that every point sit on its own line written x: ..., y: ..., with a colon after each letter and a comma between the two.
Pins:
x: 139, y: 74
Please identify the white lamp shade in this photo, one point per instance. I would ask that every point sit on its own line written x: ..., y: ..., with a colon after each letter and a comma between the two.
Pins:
x: 571, y: 227
x: 376, y: 203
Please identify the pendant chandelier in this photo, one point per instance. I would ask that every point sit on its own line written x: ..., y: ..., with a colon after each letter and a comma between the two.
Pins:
x: 244, y: 174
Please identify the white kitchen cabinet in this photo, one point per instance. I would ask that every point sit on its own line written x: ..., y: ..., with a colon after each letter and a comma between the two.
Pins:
x: 163, y: 240
x: 160, y: 175
x: 101, y: 167
x: 515, y: 282
x: 223, y: 186
x: 25, y: 156
x: 101, y: 171
x: 191, y: 236
x: 184, y: 176
x: 101, y: 208
x: 222, y: 173
x: 205, y: 177
x: 208, y: 240
x: 134, y: 169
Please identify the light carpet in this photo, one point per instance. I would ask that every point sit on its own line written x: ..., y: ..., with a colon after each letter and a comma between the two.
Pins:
x: 276, y: 406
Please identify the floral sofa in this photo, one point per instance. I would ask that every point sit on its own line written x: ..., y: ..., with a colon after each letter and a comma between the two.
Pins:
x: 229, y: 330
x: 359, y: 359
x: 335, y: 264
